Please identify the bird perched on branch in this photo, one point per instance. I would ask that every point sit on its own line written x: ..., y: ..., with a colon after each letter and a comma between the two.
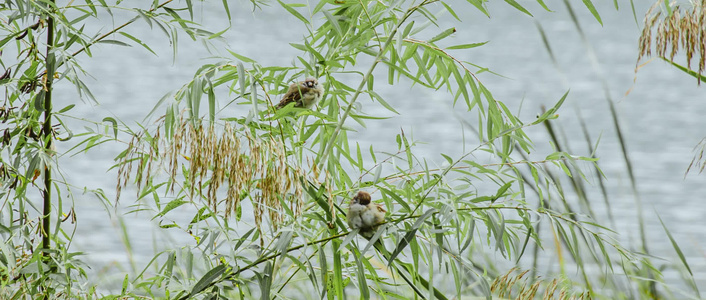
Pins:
x: 365, y: 215
x: 303, y: 94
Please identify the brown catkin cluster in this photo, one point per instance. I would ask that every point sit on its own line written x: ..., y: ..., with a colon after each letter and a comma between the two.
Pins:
x: 254, y: 167
x: 685, y: 29
x: 277, y: 179
x: 503, y: 286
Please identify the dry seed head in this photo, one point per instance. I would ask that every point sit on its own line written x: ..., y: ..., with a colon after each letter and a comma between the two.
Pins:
x: 549, y: 292
x: 698, y: 162
x: 217, y: 157
x: 683, y: 28
x: 529, y: 293
x: 279, y: 183
x: 504, y: 285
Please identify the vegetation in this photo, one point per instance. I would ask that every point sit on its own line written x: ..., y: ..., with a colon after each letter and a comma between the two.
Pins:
x: 678, y: 29
x: 473, y: 227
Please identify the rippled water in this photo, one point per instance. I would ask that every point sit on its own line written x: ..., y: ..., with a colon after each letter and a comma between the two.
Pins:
x: 662, y: 117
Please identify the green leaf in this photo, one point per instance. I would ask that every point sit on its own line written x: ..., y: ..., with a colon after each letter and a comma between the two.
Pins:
x: 293, y: 12
x: 410, y: 235
x: 378, y: 172
x: 242, y: 239
x: 145, y: 17
x: 190, y: 7
x: 479, y: 5
x: 298, y: 46
x: 225, y: 7
x: 686, y: 70
x: 362, y: 284
x: 379, y: 99
x: 318, y: 7
x: 543, y: 5
x: 8, y: 38
x: 410, y: 160
x: 593, y: 10
x: 114, y: 123
x: 138, y: 41
x: 207, y: 279
x: 219, y: 34
x: 67, y: 108
x: 265, y: 280
x: 467, y: 46
x: 502, y: 189
x: 241, y: 78
x: 408, y: 75
x: 241, y: 57
x: 451, y: 11
x: 407, y: 29
x: 675, y: 246
x: 334, y: 23
x: 442, y: 35
x: 550, y: 112
x: 519, y: 7
x: 125, y: 284
x: 469, y: 234
x: 170, y: 206
x: 337, y: 280
x: 349, y: 237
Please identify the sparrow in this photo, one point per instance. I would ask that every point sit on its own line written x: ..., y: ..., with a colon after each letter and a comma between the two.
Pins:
x: 364, y: 215
x: 303, y: 94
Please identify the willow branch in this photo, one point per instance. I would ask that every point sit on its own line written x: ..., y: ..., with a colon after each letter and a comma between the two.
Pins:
x: 329, y: 145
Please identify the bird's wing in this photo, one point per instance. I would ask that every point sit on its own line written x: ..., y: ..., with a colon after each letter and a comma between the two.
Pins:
x: 293, y: 95
x: 381, y: 208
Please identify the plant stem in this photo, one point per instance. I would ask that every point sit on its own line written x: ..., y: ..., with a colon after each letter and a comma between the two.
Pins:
x: 232, y: 274
x: 332, y: 140
x: 107, y: 34
x: 117, y: 29
x: 46, y: 134
x: 329, y: 145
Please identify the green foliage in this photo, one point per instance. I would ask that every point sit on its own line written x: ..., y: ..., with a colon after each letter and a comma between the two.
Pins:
x: 453, y: 230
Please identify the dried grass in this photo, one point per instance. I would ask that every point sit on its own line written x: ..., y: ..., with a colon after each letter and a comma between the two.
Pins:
x: 504, y: 286
x: 255, y: 167
x: 685, y: 29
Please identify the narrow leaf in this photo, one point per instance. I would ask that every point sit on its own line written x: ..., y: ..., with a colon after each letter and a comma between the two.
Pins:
x: 467, y: 46
x: 593, y: 10
x: 362, y: 284
x: 207, y: 279
x: 410, y: 234
x: 334, y: 23
x: 442, y: 35
x: 138, y: 41
x: 518, y: 6
x: 293, y: 12
x: 686, y: 70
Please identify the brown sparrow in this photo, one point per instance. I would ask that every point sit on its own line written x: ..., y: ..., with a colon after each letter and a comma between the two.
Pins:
x: 303, y: 94
x: 364, y: 215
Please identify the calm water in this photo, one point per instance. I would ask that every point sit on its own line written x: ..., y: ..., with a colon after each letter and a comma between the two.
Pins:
x: 662, y: 117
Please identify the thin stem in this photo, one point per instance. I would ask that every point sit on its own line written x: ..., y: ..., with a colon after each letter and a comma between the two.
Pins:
x: 329, y: 145
x: 100, y: 38
x: 47, y: 134
x: 117, y: 29
x: 332, y: 140
x: 232, y: 274
x: 426, y: 44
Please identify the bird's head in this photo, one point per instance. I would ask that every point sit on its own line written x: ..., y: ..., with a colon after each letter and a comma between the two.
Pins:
x: 362, y: 198
x: 310, y: 83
